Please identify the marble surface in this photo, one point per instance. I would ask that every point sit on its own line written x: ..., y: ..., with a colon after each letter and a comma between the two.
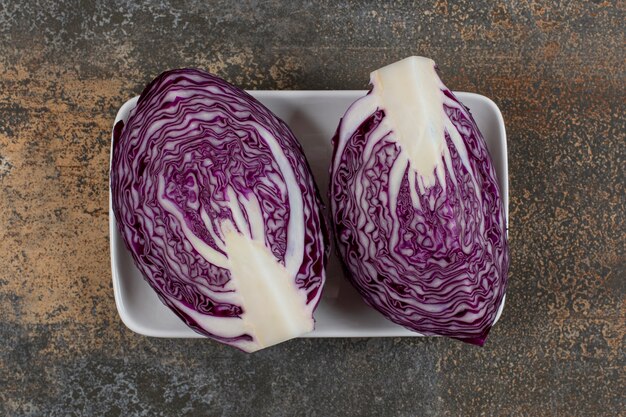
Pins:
x: 556, y: 69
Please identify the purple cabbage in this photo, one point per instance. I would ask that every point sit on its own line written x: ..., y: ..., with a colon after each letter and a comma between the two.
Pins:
x: 430, y: 257
x: 204, y: 176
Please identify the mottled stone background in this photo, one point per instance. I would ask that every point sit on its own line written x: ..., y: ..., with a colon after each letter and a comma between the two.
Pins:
x: 555, y: 69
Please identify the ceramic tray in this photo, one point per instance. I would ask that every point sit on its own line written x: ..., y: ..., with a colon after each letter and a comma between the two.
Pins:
x: 313, y: 116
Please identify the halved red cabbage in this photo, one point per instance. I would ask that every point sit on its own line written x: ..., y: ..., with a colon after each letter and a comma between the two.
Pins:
x: 417, y: 213
x: 217, y: 205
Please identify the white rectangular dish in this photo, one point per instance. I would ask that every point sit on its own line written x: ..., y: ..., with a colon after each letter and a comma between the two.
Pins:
x: 313, y: 116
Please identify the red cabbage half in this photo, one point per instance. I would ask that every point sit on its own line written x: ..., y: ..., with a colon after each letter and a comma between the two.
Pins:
x: 417, y: 213
x: 217, y: 205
